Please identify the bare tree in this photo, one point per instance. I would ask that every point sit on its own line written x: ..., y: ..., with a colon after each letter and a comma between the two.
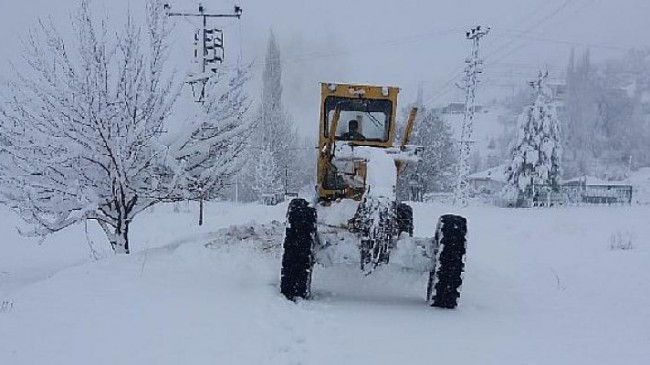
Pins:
x: 82, y: 126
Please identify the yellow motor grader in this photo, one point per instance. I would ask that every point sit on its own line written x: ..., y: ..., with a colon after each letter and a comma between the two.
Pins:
x: 355, y: 216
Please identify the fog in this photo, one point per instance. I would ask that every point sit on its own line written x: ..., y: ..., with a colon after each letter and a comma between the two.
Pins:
x: 398, y: 43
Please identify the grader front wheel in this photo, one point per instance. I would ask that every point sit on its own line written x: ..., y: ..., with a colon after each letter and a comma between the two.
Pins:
x: 446, y: 277
x: 298, y: 255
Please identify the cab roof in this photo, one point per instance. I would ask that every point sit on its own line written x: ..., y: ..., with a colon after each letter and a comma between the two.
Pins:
x: 359, y: 90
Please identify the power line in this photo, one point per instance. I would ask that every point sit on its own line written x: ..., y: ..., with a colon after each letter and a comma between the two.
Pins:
x: 539, y: 23
x: 578, y: 10
x: 451, y: 81
x: 541, y: 6
x: 362, y: 47
x: 533, y: 37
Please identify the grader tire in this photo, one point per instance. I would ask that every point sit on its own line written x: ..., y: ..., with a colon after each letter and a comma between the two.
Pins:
x: 298, y: 255
x: 446, y: 277
x: 405, y: 218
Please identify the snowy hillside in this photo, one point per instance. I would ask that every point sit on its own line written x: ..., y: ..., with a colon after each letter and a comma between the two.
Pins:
x: 486, y: 128
x: 541, y: 287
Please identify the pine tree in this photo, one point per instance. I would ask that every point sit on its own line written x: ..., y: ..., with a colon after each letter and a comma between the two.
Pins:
x: 274, y: 128
x: 275, y: 124
x: 537, y: 151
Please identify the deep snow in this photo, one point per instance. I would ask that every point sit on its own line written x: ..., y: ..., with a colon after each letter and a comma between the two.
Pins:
x: 542, y: 286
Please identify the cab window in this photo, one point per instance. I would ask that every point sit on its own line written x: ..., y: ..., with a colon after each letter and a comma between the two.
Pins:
x: 360, y: 120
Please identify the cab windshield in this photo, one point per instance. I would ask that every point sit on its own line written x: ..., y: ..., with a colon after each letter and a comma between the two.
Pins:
x: 360, y: 120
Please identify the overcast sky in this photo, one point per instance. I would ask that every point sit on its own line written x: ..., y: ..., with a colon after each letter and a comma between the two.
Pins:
x: 401, y: 43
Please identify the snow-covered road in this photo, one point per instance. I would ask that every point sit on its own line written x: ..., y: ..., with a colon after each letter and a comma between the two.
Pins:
x: 541, y: 287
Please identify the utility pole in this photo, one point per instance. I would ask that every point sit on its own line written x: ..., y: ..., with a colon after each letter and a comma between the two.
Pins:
x: 539, y: 83
x: 472, y: 69
x: 209, y: 49
x: 209, y: 53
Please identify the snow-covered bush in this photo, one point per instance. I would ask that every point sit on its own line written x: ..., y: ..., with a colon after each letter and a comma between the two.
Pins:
x: 622, y: 240
x: 6, y: 306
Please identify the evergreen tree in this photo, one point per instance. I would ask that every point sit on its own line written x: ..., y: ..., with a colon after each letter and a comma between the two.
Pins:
x: 537, y: 150
x: 274, y: 129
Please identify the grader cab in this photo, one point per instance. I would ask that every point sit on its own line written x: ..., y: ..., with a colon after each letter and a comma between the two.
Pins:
x: 355, y: 216
x: 353, y: 115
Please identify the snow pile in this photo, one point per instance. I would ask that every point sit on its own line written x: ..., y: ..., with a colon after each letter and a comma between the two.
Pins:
x: 381, y: 177
x: 412, y: 253
x: 337, y: 214
x: 268, y: 236
x: 337, y: 247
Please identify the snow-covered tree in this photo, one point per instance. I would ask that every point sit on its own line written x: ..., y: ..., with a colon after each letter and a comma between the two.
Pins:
x: 209, y: 148
x: 434, y: 172
x: 274, y: 128
x: 604, y: 114
x: 581, y: 117
x: 84, y: 128
x: 623, y: 105
x: 267, y: 182
x: 537, y: 151
x: 82, y: 124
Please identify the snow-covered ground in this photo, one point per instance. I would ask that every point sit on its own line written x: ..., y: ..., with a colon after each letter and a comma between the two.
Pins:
x: 542, y: 286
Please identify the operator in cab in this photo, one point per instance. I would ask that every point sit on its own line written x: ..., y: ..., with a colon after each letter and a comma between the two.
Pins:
x: 353, y: 132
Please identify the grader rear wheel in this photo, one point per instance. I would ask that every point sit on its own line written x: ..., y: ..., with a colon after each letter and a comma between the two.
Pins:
x: 405, y: 218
